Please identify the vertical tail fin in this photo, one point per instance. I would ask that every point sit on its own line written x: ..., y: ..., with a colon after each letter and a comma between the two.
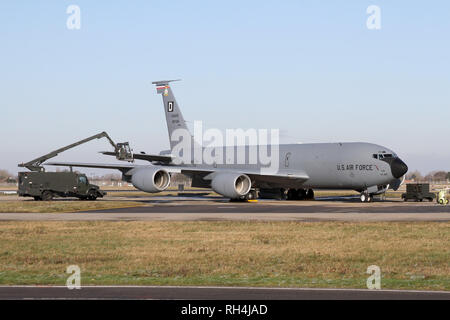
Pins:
x: 174, y: 117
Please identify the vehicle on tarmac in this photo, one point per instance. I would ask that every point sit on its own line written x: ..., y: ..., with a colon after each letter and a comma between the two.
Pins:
x: 443, y: 196
x: 47, y: 185
x: 418, y: 192
x: 368, y: 168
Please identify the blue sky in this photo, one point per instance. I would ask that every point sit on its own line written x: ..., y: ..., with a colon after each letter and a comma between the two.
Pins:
x: 310, y: 68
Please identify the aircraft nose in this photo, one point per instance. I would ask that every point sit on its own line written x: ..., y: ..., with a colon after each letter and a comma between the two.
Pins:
x: 398, y: 168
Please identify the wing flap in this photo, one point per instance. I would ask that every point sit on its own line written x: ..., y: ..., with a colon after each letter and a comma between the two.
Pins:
x: 93, y: 165
x: 146, y: 157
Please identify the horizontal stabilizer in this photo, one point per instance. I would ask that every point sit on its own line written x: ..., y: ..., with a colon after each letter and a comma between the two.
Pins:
x: 164, y: 82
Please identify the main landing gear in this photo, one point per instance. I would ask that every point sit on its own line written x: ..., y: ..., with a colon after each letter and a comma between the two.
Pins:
x: 366, y: 197
x: 300, y: 194
x: 287, y: 194
x: 251, y: 196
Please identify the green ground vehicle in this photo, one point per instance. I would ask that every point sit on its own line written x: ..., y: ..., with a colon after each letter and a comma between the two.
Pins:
x: 418, y: 192
x: 443, y: 196
x: 47, y: 185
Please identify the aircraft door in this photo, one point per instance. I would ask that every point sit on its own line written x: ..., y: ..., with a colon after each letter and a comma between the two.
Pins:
x: 286, y: 159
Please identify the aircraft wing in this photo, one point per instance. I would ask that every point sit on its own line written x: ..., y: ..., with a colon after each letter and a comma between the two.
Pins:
x: 260, y: 179
x: 143, y: 156
x: 265, y: 180
x: 121, y: 167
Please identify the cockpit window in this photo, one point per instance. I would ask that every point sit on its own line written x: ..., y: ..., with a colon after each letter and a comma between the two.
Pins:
x: 382, y: 155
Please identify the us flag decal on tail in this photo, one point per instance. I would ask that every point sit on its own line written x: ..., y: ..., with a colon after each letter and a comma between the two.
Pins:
x: 163, y: 89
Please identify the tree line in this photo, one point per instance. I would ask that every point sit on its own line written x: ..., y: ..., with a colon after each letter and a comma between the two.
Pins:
x: 430, y: 177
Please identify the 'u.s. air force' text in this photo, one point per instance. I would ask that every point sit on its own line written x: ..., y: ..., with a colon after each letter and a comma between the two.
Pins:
x: 356, y: 167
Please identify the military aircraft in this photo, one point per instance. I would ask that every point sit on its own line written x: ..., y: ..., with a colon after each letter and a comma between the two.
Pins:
x: 300, y: 168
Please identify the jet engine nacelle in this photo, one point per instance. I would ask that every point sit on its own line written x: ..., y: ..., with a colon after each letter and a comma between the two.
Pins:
x: 231, y: 185
x: 150, y: 179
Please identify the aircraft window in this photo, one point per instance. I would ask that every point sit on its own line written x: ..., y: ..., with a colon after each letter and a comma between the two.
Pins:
x: 383, y: 155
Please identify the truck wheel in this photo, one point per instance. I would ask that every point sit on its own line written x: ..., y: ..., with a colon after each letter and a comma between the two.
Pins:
x: 92, y: 195
x: 47, y: 195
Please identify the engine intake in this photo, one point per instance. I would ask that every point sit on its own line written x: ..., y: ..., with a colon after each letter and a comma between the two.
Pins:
x: 231, y: 185
x: 150, y: 179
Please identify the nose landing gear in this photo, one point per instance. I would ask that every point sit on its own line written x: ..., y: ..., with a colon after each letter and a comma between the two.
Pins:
x: 366, y: 197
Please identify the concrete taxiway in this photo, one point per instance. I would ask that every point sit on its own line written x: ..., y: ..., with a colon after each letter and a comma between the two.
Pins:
x: 211, y: 293
x: 170, y: 209
x: 199, y: 207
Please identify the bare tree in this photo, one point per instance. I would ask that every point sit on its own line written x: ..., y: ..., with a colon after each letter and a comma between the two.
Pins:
x: 429, y: 176
x: 415, y: 176
x: 4, y: 175
x: 440, y: 176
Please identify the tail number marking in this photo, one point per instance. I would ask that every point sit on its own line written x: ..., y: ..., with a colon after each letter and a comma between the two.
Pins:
x: 170, y: 106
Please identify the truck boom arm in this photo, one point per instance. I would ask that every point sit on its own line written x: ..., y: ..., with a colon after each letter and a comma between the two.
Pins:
x: 35, y: 164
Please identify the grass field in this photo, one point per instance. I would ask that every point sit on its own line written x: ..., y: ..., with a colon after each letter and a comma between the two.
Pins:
x: 287, y: 254
x: 30, y: 206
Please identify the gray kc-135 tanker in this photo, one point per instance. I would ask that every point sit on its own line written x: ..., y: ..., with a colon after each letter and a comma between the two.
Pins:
x: 367, y: 168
